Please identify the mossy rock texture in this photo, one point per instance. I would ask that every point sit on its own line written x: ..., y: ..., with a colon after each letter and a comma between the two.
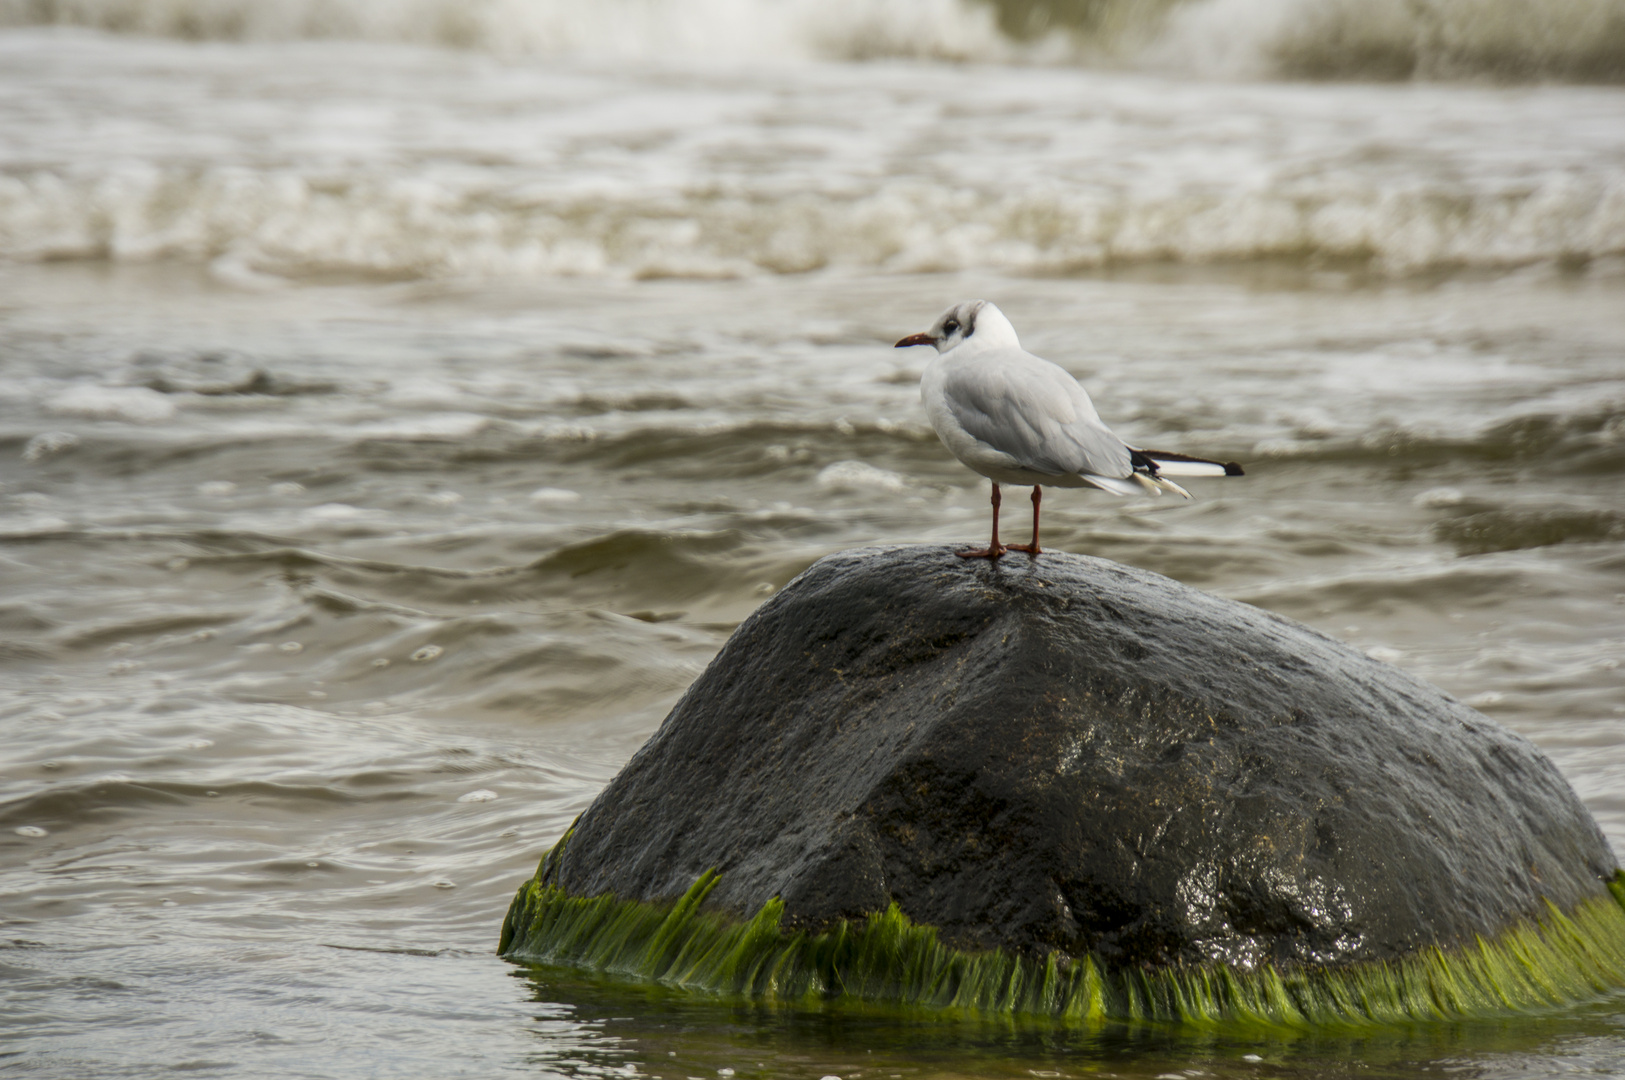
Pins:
x: 1065, y: 761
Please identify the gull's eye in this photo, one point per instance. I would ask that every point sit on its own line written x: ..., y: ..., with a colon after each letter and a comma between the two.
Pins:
x: 950, y: 327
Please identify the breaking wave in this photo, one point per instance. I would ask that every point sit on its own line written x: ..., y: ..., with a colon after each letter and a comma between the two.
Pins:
x: 1496, y: 40
x: 258, y: 226
x: 726, y: 30
x: 1502, y: 40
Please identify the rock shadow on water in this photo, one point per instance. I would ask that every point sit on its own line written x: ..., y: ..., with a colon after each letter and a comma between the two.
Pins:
x: 1071, y: 788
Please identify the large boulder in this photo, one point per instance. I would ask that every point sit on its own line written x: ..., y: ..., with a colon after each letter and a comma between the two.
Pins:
x: 1065, y: 754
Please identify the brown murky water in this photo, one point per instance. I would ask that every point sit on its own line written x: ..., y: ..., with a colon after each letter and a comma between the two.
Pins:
x: 347, y: 548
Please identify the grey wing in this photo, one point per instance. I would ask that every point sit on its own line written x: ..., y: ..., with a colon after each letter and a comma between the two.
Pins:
x: 1038, y: 414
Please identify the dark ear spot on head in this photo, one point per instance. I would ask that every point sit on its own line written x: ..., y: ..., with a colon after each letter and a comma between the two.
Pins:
x: 970, y: 317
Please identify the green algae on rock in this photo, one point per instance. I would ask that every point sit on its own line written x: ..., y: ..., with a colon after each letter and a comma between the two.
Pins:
x: 1064, y: 786
x: 1542, y: 964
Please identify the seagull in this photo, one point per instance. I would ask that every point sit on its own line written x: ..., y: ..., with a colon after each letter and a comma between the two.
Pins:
x: 1019, y: 419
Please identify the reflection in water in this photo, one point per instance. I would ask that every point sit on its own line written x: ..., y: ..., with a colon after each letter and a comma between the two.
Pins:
x: 673, y: 1036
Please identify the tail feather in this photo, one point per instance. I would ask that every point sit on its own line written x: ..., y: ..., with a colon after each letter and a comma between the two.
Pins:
x: 1152, y: 468
x: 1162, y: 463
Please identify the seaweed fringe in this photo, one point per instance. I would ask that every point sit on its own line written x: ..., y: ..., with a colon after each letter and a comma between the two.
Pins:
x: 1545, y: 963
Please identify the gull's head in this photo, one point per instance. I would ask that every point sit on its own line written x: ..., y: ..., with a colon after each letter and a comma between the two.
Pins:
x: 969, y: 320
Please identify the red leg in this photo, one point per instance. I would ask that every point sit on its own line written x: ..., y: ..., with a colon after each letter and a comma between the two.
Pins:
x: 994, y: 548
x: 1032, y: 548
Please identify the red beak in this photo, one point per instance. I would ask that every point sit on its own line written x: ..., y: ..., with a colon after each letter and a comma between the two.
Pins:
x: 915, y: 339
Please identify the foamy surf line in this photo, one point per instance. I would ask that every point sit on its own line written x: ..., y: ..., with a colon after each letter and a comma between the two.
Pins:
x: 256, y: 227
x: 1504, y: 40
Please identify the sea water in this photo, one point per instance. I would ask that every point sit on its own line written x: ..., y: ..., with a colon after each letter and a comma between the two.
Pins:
x: 400, y: 404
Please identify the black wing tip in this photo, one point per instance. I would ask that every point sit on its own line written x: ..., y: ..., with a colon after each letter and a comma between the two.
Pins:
x: 1232, y: 469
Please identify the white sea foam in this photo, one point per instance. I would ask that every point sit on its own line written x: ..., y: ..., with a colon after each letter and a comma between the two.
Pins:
x: 49, y: 444
x: 335, y: 512
x: 555, y: 495
x: 859, y: 476
x: 431, y: 427
x: 1439, y: 497
x: 33, y: 525
x: 136, y: 404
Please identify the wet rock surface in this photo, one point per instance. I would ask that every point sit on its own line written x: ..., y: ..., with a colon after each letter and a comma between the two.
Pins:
x: 1066, y: 753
